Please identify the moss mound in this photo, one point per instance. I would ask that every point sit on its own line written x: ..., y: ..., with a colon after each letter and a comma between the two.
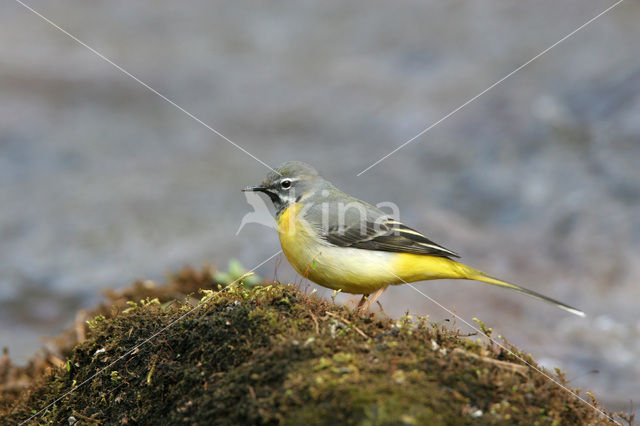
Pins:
x: 272, y: 355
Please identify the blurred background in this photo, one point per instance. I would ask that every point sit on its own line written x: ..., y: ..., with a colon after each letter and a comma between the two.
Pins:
x: 537, y: 181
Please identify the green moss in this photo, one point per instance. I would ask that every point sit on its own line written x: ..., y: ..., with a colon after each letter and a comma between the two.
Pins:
x: 272, y: 355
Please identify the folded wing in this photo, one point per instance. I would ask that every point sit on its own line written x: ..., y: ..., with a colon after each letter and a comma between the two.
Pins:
x: 387, y: 235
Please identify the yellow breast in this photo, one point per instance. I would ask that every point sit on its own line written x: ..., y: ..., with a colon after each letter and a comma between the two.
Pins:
x: 352, y: 270
x: 297, y: 240
x: 340, y: 268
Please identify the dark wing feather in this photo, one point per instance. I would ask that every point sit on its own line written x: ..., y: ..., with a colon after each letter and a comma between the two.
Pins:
x: 389, y: 235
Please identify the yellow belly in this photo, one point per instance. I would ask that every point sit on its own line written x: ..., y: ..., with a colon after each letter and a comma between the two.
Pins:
x: 354, y: 270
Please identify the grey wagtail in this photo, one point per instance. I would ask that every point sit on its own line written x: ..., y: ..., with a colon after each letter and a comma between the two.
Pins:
x: 343, y: 243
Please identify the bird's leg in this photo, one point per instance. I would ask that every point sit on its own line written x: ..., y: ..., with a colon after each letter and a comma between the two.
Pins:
x: 362, y: 307
x: 361, y: 302
x: 374, y: 297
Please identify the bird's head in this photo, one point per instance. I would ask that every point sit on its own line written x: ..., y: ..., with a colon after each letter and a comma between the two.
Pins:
x: 293, y: 181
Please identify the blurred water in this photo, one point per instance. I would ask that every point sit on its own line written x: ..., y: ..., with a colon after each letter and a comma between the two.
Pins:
x: 537, y: 181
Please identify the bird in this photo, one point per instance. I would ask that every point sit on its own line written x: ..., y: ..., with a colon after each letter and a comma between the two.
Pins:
x: 343, y: 243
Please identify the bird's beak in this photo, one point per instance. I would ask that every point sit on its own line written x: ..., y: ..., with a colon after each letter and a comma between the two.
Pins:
x: 254, y: 189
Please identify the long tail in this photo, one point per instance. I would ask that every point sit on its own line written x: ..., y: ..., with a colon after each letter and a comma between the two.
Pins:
x: 474, y: 274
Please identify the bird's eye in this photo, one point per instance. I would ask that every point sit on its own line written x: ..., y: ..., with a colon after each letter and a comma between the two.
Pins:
x: 286, y: 183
